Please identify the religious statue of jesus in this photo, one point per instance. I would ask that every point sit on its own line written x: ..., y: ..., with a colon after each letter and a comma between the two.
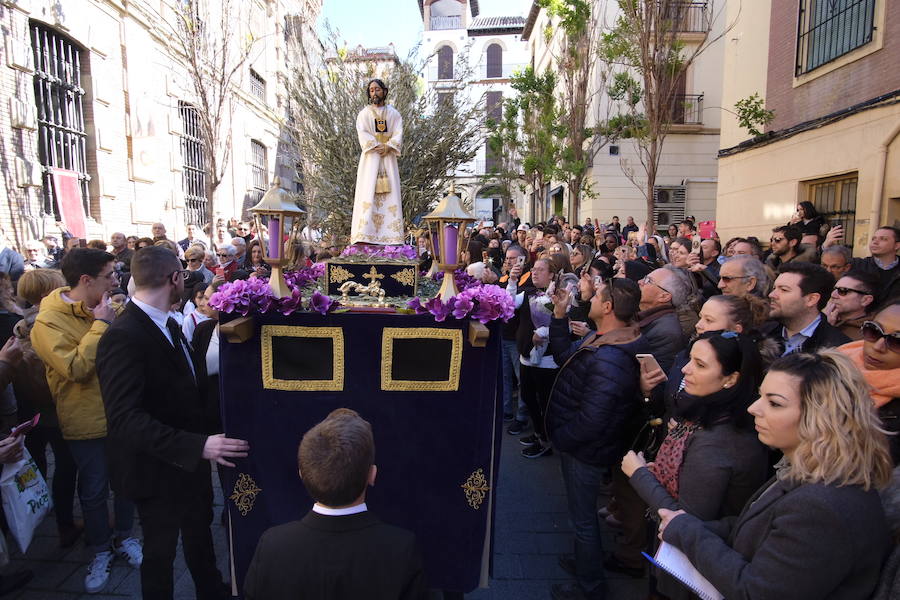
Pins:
x: 377, y: 215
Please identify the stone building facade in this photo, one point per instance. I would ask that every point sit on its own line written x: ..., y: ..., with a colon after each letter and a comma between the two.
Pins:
x: 96, y: 104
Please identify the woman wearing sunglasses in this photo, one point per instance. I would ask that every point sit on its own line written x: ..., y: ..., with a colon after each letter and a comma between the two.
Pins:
x: 878, y: 357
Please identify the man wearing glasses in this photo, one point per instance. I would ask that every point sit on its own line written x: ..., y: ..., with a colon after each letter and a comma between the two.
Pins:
x: 244, y: 231
x: 851, y: 303
x: 661, y: 291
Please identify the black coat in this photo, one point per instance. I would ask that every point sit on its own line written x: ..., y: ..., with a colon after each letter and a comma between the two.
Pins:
x: 663, y: 333
x: 336, y: 558
x: 595, y: 396
x: 791, y: 542
x: 826, y: 335
x: 157, y: 415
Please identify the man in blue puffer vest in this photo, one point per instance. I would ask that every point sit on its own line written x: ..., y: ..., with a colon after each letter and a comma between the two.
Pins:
x: 595, y: 396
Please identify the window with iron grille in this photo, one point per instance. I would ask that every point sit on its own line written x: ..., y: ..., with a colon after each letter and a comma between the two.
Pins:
x: 835, y: 200
x: 257, y: 85
x: 62, y: 139
x: 193, y: 166
x: 259, y: 170
x: 829, y: 29
x: 494, y: 61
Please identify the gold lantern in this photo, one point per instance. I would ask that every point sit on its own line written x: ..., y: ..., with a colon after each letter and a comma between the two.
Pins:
x: 447, y: 227
x: 278, y: 214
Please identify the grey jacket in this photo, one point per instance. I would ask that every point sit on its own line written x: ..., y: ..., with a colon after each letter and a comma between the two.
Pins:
x: 662, y: 331
x: 791, y: 542
x: 721, y: 469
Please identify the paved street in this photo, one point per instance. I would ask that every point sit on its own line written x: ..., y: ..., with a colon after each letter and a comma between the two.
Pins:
x: 532, y: 530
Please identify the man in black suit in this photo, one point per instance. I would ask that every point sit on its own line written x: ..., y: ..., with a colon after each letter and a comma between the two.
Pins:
x: 159, y: 429
x: 339, y: 550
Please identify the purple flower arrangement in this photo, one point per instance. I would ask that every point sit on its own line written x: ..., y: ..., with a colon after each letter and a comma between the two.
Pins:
x: 393, y: 252
x: 482, y: 303
x: 254, y: 295
x: 463, y: 280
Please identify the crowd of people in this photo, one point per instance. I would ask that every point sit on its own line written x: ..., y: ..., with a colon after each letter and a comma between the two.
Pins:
x: 738, y: 400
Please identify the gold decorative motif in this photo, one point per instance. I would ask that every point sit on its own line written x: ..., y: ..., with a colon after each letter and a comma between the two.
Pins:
x: 373, y: 275
x: 389, y: 334
x: 476, y: 488
x: 338, y: 274
x: 379, y: 201
x: 270, y: 382
x: 393, y: 210
x: 378, y: 219
x: 366, y: 206
x: 406, y: 276
x: 244, y: 494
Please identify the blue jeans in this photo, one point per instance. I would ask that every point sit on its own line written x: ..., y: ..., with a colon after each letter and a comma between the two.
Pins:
x: 510, y: 366
x: 582, y: 487
x: 93, y: 493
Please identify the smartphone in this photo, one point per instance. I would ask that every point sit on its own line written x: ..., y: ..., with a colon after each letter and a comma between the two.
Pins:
x: 26, y: 426
x: 539, y: 236
x: 598, y: 281
x: 220, y: 271
x: 648, y: 363
x: 695, y: 245
x: 82, y: 243
x: 520, y: 261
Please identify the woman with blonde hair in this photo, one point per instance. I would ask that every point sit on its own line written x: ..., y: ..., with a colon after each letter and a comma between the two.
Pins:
x: 33, y: 396
x: 817, y: 529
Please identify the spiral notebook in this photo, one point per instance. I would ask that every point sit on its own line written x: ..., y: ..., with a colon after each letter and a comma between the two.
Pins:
x: 673, y: 561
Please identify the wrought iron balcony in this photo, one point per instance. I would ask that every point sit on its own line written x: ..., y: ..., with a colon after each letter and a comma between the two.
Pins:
x: 687, y: 109
x: 451, y: 22
x: 689, y: 16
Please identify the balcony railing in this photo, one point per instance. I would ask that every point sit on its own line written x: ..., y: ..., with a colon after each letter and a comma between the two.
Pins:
x: 451, y: 22
x: 505, y: 70
x: 687, y: 109
x: 689, y: 16
x: 481, y: 71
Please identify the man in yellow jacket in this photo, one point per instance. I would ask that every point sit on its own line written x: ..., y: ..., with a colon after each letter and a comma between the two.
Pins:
x: 65, y: 336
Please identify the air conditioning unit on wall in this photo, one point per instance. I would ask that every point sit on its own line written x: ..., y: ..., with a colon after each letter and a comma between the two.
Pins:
x: 669, y: 204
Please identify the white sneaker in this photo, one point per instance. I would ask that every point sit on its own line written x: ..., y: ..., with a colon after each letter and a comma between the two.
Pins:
x: 130, y: 549
x: 98, y: 572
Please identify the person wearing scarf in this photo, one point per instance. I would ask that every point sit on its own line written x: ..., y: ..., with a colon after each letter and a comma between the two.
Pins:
x: 877, y: 356
x: 711, y: 461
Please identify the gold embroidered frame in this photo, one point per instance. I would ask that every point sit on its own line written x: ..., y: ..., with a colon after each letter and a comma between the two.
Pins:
x: 270, y: 382
x: 389, y: 384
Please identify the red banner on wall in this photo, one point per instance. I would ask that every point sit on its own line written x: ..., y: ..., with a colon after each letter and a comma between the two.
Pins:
x: 71, y: 204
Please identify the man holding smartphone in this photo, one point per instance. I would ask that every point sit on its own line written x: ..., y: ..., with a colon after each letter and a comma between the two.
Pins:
x: 513, y: 408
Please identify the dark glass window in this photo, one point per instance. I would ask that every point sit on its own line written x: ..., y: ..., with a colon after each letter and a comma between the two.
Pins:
x: 445, y: 62
x: 259, y: 171
x: 494, y: 61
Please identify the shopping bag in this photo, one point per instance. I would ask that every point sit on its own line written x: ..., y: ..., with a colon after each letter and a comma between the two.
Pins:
x: 26, y: 498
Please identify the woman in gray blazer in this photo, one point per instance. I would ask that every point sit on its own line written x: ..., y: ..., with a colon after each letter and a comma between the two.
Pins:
x: 711, y: 462
x: 817, y: 529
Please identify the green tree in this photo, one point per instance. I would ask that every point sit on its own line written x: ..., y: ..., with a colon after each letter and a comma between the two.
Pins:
x: 752, y: 114
x: 646, y: 45
x: 441, y: 131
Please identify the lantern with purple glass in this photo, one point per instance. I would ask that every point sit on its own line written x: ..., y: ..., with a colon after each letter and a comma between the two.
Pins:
x: 447, y: 227
x: 278, y: 214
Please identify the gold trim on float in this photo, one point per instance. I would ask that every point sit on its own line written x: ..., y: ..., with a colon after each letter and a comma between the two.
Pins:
x: 389, y: 384
x: 338, y: 274
x: 270, y: 382
x: 406, y: 277
x: 476, y: 488
x: 244, y: 494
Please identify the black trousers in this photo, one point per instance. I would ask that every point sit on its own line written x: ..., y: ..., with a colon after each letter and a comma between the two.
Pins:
x: 64, y: 471
x: 535, y: 390
x: 185, y: 508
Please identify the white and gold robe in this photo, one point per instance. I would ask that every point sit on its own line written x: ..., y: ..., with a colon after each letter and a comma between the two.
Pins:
x: 377, y: 217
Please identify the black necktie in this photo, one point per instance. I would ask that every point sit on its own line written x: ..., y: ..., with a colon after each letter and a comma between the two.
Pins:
x: 181, y: 346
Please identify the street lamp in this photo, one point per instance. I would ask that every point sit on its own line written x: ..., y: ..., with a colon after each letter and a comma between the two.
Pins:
x: 280, y: 216
x: 447, y: 226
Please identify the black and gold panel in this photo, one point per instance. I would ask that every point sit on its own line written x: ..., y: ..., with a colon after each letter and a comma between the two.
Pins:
x: 417, y: 359
x: 400, y: 278
x: 302, y: 358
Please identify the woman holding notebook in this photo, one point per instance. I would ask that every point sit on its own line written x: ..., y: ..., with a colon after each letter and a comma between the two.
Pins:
x: 817, y: 529
x: 711, y: 461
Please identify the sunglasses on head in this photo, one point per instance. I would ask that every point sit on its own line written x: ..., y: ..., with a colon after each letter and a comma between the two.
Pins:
x: 872, y: 332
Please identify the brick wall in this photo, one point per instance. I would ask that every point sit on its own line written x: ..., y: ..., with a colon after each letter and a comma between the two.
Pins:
x: 861, y: 80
